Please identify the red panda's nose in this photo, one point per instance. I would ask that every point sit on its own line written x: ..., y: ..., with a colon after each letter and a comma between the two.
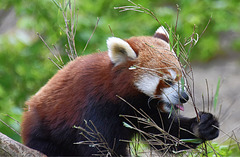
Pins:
x: 184, y: 97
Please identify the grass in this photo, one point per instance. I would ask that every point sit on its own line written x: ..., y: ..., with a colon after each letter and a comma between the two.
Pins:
x: 216, y: 95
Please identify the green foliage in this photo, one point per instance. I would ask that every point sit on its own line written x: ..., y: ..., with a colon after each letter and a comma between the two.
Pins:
x: 236, y: 45
x: 197, y: 140
x: 19, y: 69
x: 24, y: 64
x: 137, y: 147
x: 228, y: 148
x: 214, y: 150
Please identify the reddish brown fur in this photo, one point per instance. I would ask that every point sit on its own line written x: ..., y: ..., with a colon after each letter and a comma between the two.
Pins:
x: 56, y: 102
x: 86, y: 89
x: 49, y: 102
x: 159, y: 59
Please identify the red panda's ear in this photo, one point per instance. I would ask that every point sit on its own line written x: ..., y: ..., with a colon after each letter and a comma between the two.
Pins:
x: 162, y: 34
x: 119, y: 50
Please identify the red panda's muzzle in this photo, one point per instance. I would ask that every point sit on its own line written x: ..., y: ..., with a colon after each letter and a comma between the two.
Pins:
x: 173, y: 100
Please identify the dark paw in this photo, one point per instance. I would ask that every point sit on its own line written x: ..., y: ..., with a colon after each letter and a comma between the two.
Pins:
x: 207, y: 128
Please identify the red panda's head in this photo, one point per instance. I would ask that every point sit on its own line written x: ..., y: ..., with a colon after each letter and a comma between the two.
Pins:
x: 156, y: 69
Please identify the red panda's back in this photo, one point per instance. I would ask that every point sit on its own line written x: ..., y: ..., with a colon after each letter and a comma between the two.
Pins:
x: 62, y: 100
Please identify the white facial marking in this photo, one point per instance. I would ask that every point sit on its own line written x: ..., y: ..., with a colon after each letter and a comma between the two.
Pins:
x: 148, y: 84
x: 173, y: 73
x: 171, y: 94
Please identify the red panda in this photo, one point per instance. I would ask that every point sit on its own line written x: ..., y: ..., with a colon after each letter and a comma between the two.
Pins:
x: 141, y: 70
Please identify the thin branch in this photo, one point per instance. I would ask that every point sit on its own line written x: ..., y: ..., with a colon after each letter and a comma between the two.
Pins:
x: 91, y: 35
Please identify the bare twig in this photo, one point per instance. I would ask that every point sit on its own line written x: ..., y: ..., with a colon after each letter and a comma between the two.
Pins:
x: 91, y: 35
x: 138, y: 8
x: 95, y: 139
x: 205, y: 27
x: 111, y: 30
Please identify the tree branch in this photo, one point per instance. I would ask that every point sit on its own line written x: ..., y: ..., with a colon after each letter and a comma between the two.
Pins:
x: 11, y: 148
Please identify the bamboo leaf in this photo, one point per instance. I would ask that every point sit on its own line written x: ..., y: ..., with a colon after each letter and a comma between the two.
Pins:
x: 178, y: 46
x: 182, y: 83
x: 170, y: 39
x: 216, y: 94
x: 127, y: 125
x: 197, y: 140
x: 170, y: 111
x: 56, y: 3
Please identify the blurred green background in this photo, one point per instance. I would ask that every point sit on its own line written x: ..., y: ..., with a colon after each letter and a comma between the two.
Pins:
x: 24, y: 63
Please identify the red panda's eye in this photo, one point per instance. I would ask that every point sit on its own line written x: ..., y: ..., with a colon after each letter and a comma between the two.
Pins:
x: 168, y: 82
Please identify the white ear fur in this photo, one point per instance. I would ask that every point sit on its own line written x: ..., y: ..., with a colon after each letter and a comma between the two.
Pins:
x: 162, y: 30
x: 119, y: 50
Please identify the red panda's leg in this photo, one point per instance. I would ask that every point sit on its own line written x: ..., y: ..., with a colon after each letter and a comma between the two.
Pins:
x: 44, y: 146
x: 39, y: 137
x: 171, y: 134
x: 182, y: 128
x: 58, y: 142
x: 190, y: 128
x: 107, y: 138
x: 185, y: 128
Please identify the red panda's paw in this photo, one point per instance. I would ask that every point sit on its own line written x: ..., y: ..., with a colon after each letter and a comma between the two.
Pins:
x: 207, y: 128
